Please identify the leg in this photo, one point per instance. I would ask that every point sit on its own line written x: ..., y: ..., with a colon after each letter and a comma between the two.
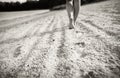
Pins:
x: 76, y: 5
x: 69, y: 7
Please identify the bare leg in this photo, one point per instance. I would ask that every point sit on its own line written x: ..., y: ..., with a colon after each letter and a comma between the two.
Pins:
x: 70, y: 10
x: 76, y: 5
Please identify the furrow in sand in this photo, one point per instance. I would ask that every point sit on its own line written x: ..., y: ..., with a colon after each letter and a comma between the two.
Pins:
x: 61, y: 62
x: 106, y: 25
x: 41, y: 27
x: 20, y: 51
x: 67, y: 67
x: 51, y: 60
x: 20, y: 33
x: 14, y: 24
x: 13, y: 55
x: 35, y: 65
x: 6, y: 23
x: 98, y: 31
x: 14, y: 15
x: 46, y: 27
x: 19, y: 18
x: 110, y: 33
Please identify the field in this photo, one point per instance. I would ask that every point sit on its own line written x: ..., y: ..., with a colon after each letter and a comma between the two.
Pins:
x: 39, y: 44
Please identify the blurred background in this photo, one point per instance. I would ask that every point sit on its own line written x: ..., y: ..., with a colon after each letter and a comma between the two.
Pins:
x: 19, y: 5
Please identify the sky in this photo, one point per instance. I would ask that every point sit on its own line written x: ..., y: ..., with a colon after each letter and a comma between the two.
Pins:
x: 12, y: 0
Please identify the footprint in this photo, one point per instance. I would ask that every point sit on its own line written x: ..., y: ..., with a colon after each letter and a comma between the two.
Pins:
x: 17, y: 51
x: 80, y: 44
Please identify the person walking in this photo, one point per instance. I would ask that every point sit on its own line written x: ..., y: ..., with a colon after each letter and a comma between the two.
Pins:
x: 72, y: 7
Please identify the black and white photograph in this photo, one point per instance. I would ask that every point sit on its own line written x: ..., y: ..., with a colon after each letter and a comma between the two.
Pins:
x: 59, y: 38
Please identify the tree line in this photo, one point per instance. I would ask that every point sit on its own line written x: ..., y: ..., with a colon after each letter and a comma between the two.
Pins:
x: 30, y: 5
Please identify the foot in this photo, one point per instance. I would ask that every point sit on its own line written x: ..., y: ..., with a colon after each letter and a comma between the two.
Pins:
x: 71, y: 26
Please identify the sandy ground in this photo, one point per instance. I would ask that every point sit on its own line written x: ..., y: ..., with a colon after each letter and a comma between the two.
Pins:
x: 35, y: 45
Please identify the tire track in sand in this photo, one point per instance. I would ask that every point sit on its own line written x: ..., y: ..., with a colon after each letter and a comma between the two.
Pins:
x: 23, y: 47
x: 16, y: 24
x: 19, y: 18
x: 24, y: 32
x: 38, y: 55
